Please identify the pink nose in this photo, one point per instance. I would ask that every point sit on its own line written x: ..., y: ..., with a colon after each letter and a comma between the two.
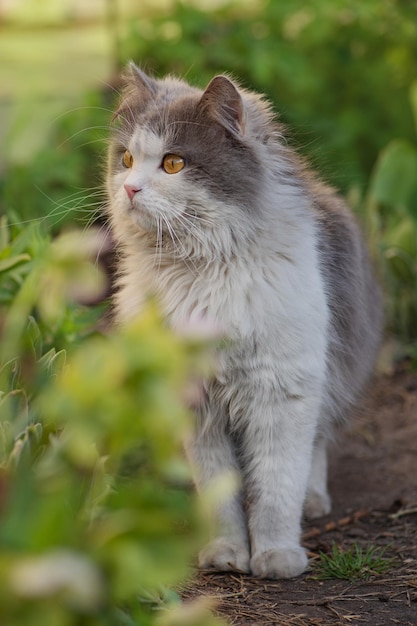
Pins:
x: 131, y: 190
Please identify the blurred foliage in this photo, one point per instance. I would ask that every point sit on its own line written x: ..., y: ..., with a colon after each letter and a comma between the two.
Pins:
x: 64, y: 182
x: 391, y: 210
x: 26, y: 266
x: 96, y: 518
x: 338, y: 71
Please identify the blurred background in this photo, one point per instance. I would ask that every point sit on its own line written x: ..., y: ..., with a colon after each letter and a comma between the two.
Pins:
x: 341, y: 73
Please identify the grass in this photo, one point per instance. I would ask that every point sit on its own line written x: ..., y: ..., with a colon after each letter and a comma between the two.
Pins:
x: 356, y: 563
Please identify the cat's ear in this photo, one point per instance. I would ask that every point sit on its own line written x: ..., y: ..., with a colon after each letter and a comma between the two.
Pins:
x: 223, y: 102
x: 138, y: 77
x: 137, y: 87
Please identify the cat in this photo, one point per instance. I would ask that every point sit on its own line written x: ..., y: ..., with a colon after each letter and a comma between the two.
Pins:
x: 216, y: 217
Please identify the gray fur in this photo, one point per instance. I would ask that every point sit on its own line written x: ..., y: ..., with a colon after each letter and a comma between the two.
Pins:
x: 246, y: 238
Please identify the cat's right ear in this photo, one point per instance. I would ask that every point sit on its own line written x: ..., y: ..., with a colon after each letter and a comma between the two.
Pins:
x: 138, y: 90
x: 134, y: 75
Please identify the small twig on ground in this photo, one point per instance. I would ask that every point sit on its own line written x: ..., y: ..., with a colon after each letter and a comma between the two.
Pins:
x: 409, y: 511
x: 334, y: 525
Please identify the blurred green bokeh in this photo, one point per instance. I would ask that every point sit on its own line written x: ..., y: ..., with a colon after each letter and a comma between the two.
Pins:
x: 338, y: 71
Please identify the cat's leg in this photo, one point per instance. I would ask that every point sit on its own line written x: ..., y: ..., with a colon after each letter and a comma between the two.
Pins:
x: 212, y: 456
x: 279, y: 437
x: 318, y: 501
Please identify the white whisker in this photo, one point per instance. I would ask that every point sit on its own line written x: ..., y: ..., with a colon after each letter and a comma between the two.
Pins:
x: 82, y: 130
x: 180, y: 249
x: 80, y: 108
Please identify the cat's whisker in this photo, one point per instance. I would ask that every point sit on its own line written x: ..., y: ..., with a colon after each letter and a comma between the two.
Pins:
x: 181, y: 250
x: 82, y: 130
x: 112, y: 88
x: 186, y: 123
x: 104, y: 232
x: 80, y: 108
x: 81, y: 210
x: 187, y: 225
x: 75, y: 203
x: 157, y: 256
x: 174, y: 238
x: 77, y: 195
x: 94, y: 217
x: 103, y: 140
x: 25, y: 222
x: 84, y: 191
x: 198, y: 221
x: 190, y: 227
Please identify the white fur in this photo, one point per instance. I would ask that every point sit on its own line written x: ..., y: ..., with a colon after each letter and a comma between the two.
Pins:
x: 257, y: 277
x: 272, y: 295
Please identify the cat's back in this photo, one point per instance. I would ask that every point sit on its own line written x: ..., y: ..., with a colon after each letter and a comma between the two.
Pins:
x: 353, y: 295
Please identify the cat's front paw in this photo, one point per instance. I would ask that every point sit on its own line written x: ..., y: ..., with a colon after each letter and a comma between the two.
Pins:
x: 223, y: 555
x: 279, y: 563
x: 317, y: 504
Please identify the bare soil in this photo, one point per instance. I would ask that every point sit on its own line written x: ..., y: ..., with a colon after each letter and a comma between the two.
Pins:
x: 373, y: 483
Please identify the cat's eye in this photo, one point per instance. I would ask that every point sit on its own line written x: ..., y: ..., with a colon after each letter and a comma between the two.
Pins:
x: 127, y: 159
x: 172, y: 163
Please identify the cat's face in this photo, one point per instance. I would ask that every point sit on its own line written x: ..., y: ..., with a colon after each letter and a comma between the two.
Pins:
x: 179, y: 164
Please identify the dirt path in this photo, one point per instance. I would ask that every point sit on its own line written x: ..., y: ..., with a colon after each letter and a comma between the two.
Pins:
x: 374, y: 489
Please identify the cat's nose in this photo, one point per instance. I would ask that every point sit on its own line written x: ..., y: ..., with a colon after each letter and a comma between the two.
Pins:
x: 131, y: 190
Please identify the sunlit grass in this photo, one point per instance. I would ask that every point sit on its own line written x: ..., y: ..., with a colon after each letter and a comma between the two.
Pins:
x: 356, y: 563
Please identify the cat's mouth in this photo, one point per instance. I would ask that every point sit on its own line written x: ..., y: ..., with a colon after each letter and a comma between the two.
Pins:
x: 141, y: 216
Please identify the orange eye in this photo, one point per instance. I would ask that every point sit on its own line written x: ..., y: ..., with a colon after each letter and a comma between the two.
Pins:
x: 127, y: 159
x: 172, y: 163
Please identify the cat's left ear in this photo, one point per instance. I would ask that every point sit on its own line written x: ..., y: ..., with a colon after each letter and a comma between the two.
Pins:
x: 224, y: 103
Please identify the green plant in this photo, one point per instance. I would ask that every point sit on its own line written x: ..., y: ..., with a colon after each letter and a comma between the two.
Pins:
x: 391, y: 211
x: 96, y: 516
x: 356, y: 563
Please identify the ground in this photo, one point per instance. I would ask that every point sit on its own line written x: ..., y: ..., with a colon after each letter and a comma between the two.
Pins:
x: 373, y: 483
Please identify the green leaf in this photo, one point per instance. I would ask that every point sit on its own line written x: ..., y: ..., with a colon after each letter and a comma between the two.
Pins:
x: 394, y: 181
x: 401, y: 265
x: 4, y: 233
x: 7, y: 264
x: 6, y: 441
x: 404, y: 236
x: 53, y: 362
x: 413, y: 101
x: 35, y: 337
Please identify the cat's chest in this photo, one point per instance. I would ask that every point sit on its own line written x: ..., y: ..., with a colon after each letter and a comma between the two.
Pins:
x: 227, y: 296
x: 275, y: 302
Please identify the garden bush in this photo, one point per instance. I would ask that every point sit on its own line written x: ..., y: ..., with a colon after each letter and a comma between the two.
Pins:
x: 97, y: 522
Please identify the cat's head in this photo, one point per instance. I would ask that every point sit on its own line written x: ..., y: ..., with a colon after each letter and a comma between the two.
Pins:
x: 184, y: 164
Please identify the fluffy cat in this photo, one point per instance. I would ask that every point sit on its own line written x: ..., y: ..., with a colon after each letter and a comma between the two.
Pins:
x: 215, y: 216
